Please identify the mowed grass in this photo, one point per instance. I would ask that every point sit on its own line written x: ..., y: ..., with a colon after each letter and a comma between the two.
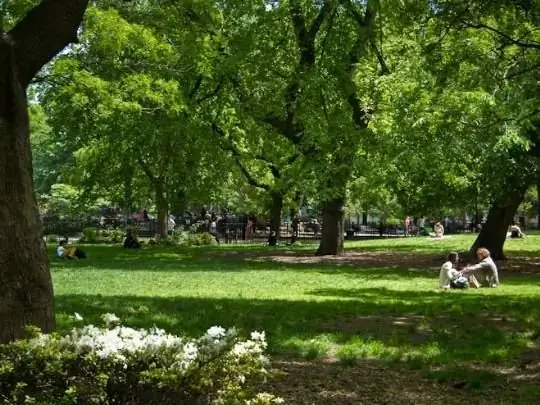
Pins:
x: 378, y: 303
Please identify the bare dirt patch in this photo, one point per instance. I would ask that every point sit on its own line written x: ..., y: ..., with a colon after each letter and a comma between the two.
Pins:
x: 406, y: 260
x: 308, y: 383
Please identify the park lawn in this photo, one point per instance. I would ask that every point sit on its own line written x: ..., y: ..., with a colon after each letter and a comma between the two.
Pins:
x: 377, y: 306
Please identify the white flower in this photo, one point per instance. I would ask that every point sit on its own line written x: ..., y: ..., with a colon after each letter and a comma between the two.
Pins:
x: 110, y: 319
x: 215, y: 332
x: 258, y: 336
x: 77, y: 317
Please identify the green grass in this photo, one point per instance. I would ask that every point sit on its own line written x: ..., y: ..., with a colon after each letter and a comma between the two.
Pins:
x: 348, y: 310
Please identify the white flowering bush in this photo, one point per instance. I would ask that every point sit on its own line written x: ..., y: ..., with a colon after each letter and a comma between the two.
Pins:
x: 115, y: 364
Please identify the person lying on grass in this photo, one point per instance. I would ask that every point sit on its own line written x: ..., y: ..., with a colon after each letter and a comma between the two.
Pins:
x: 485, y: 270
x: 449, y: 276
x: 67, y: 252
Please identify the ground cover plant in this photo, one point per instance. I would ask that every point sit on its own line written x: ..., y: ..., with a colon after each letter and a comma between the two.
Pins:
x: 367, y: 327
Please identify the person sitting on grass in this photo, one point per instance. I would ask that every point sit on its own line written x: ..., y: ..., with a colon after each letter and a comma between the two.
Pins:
x: 485, y: 270
x: 515, y: 231
x: 131, y: 241
x: 438, y: 229
x: 449, y: 276
x: 67, y: 252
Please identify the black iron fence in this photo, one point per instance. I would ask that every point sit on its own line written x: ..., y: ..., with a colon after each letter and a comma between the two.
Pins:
x: 230, y: 232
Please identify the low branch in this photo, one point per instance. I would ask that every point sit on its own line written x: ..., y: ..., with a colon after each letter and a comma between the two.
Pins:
x: 47, y: 29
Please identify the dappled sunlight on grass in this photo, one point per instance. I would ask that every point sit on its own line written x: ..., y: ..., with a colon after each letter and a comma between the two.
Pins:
x: 364, y: 306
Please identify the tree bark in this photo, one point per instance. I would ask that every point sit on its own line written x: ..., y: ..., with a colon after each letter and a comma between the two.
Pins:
x: 162, y: 206
x: 332, y: 228
x: 275, y: 214
x: 500, y: 216
x: 26, y: 291
x: 538, y: 203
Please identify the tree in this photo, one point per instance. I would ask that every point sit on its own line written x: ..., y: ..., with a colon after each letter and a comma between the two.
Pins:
x: 140, y: 102
x: 26, y: 292
x: 508, y: 39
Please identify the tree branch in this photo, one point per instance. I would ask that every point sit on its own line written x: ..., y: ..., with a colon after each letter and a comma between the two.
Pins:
x: 385, y: 70
x: 213, y: 93
x: 521, y: 72
x: 273, y: 168
x: 306, y: 43
x: 43, y: 33
x: 146, y: 169
x: 521, y: 44
x: 196, y: 87
x: 365, y: 24
x: 236, y: 154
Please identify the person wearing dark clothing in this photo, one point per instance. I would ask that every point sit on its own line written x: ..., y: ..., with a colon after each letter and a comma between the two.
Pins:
x: 131, y: 242
x: 272, y: 239
x: 295, y: 229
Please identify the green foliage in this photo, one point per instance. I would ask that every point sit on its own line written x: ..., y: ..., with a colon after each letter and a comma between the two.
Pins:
x: 201, y: 239
x: 96, y: 235
x: 64, y: 199
x: 90, y: 235
x: 119, y: 365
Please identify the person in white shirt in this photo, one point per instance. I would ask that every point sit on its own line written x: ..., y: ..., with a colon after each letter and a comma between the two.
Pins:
x: 485, y: 269
x: 66, y: 252
x: 449, y: 276
x: 515, y: 231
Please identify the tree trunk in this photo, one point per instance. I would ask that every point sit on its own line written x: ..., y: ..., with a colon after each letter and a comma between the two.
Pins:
x: 538, y: 203
x: 162, y: 206
x: 26, y: 291
x: 332, y: 228
x: 275, y: 215
x: 500, y: 216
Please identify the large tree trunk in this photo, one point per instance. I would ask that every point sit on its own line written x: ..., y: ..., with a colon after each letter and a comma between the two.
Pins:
x: 26, y: 292
x: 275, y: 215
x: 538, y: 203
x: 500, y: 216
x: 162, y: 206
x: 332, y: 228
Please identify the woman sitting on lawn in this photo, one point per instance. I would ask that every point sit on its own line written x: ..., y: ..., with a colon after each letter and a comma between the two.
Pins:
x: 66, y: 252
x: 486, y: 268
x: 449, y: 277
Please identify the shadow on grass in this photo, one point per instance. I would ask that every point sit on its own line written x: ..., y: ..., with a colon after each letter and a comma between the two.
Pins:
x: 429, y: 328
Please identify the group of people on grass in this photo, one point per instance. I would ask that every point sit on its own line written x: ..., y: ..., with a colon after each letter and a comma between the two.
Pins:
x: 66, y: 251
x: 484, y: 273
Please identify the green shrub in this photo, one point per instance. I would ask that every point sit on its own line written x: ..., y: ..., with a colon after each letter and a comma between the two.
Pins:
x: 53, y: 239
x: 202, y: 239
x: 116, y: 236
x: 121, y: 365
x: 90, y: 235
